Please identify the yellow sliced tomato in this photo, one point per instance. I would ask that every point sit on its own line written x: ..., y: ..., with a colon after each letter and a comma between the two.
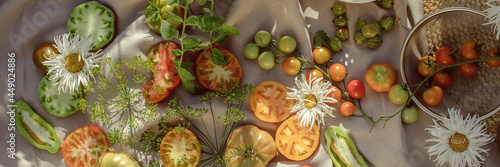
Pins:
x: 180, y: 147
x: 212, y: 76
x: 268, y: 102
x: 249, y: 146
x: 295, y: 142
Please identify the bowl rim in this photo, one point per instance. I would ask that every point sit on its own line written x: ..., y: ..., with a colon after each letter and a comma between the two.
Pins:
x: 404, y: 48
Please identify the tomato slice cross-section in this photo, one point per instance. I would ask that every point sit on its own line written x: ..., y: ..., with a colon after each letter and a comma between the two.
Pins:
x: 295, y: 142
x: 83, y: 146
x: 212, y: 76
x: 268, y: 102
x: 180, y: 147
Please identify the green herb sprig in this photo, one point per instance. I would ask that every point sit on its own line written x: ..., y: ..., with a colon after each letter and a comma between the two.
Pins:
x: 117, y: 98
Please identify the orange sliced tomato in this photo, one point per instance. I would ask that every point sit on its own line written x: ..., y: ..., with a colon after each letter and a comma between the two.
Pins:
x: 180, y: 147
x: 295, y: 142
x: 212, y: 76
x: 268, y: 102
x: 83, y: 146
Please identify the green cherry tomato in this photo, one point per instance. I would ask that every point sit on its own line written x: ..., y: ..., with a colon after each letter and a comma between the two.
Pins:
x: 251, y: 51
x: 398, y: 95
x: 266, y: 60
x: 409, y: 114
x: 321, y: 55
x: 287, y: 44
x: 262, y: 38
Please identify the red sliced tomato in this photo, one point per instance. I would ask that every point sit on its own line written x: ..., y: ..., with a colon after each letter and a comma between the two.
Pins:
x: 83, y: 146
x: 212, y: 76
x: 165, y: 75
x: 268, y: 102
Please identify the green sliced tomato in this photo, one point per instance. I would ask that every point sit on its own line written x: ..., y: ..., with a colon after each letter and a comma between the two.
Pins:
x: 249, y: 146
x: 35, y: 129
x: 342, y: 149
x: 57, y: 103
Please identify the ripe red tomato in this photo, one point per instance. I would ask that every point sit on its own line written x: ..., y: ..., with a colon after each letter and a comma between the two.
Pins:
x: 381, y: 77
x: 469, y: 50
x: 442, y: 79
x: 213, y: 76
x: 347, y: 109
x: 443, y: 56
x: 425, y: 66
x: 321, y: 55
x: 493, y: 52
x: 291, y: 65
x: 433, y: 96
x: 356, y: 89
x: 337, y: 72
x: 84, y: 146
x: 468, y: 69
x: 314, y: 74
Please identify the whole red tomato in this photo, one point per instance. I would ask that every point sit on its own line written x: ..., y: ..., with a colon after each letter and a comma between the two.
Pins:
x: 469, y: 50
x: 433, y: 96
x: 443, y: 56
x: 380, y: 77
x: 442, y: 79
x: 493, y: 52
x: 468, y: 69
x: 356, y: 89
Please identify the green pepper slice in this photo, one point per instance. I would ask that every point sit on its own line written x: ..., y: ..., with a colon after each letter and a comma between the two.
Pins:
x: 34, y: 128
x: 342, y: 150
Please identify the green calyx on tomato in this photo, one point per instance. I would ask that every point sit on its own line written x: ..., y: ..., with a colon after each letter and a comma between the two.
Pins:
x: 380, y: 77
x: 249, y: 146
x: 35, y: 129
x: 156, y: 11
x: 341, y: 148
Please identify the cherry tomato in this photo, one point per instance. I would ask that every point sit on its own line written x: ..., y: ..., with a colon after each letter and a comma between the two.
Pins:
x: 262, y: 38
x: 409, y: 115
x: 287, y: 44
x: 468, y: 69
x: 398, y: 95
x: 295, y: 142
x: 251, y: 51
x: 380, y: 77
x: 291, y: 65
x: 493, y: 52
x: 336, y: 94
x: 43, y: 50
x: 347, y: 109
x: 215, y: 77
x: 469, y: 50
x: 321, y: 55
x: 314, y: 74
x: 266, y: 60
x: 433, y: 96
x: 443, y: 56
x: 423, y: 68
x: 337, y: 72
x: 442, y: 79
x: 356, y: 89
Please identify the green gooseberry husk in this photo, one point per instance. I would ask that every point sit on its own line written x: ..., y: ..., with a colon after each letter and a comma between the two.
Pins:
x: 342, y: 34
x: 360, y: 24
x: 387, y: 23
x: 341, y: 21
x: 386, y: 4
x: 360, y: 38
x: 374, y: 43
x: 370, y: 30
x: 339, y: 9
x: 336, y: 44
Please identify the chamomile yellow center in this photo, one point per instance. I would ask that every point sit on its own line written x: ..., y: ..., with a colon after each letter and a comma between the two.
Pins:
x: 74, y: 63
x: 458, y: 142
x: 310, y: 101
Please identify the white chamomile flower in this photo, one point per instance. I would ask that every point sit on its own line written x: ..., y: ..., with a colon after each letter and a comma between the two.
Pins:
x: 458, y: 141
x: 493, y: 13
x: 311, y: 97
x: 73, y: 65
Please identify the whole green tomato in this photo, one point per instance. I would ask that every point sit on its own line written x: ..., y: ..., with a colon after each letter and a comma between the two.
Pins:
x: 287, y: 44
x: 159, y: 10
x: 409, y: 115
x: 251, y: 51
x: 262, y: 38
x: 266, y: 60
x: 398, y: 95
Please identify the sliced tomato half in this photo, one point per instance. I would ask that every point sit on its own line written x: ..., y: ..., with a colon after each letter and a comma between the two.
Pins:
x: 180, y: 147
x: 212, y: 76
x: 268, y: 102
x: 165, y: 75
x: 83, y: 146
x: 296, y: 142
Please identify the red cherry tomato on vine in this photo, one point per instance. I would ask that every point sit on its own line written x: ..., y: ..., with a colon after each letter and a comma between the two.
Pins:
x: 347, y: 109
x: 356, y: 89
x: 493, y: 52
x: 469, y: 50
x: 443, y: 56
x: 314, y: 74
x: 291, y: 65
x: 433, y: 96
x: 468, y: 69
x: 442, y: 79
x: 337, y: 72
x: 423, y: 66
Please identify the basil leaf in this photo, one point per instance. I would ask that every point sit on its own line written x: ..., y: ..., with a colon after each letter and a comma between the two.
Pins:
x: 321, y: 39
x: 207, y: 10
x: 174, y: 18
x: 186, y: 77
x: 202, y: 2
x: 176, y: 52
x: 190, y: 43
x: 220, y: 39
x: 189, y: 2
x: 209, y: 23
x: 168, y: 31
x: 228, y: 30
x: 218, y: 58
x: 203, y: 47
